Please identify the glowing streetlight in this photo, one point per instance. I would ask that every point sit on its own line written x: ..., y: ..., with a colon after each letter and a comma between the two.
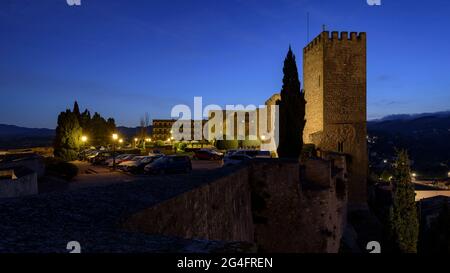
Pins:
x: 135, y: 139
x: 84, y: 139
x: 448, y: 174
x: 385, y: 161
x: 120, y: 140
x: 114, y: 137
x: 414, y: 175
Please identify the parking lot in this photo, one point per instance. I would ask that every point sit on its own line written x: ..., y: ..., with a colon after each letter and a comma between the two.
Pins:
x: 92, y: 175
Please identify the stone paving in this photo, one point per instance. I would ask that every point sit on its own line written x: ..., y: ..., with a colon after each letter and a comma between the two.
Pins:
x: 92, y: 216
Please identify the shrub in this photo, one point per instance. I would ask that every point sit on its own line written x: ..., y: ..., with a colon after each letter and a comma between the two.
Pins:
x: 250, y: 143
x: 61, y: 168
x: 227, y: 144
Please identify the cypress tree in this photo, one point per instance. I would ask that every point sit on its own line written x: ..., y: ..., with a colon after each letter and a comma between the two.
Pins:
x: 68, y: 136
x: 404, y: 222
x: 76, y: 111
x: 292, y: 111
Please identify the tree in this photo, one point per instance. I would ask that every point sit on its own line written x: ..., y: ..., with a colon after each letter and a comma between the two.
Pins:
x: 76, y: 111
x: 68, y: 136
x: 145, y: 122
x: 404, y: 223
x: 292, y: 111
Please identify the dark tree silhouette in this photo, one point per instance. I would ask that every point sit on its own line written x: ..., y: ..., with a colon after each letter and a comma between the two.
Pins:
x: 292, y: 111
x: 404, y: 223
x: 68, y: 136
x: 76, y: 110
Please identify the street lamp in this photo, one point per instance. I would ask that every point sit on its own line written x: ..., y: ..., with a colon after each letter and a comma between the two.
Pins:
x: 114, y: 137
x: 135, y: 142
x: 84, y: 140
x: 448, y: 174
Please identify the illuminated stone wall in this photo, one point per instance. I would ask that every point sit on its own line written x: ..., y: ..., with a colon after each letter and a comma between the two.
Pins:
x: 334, y: 72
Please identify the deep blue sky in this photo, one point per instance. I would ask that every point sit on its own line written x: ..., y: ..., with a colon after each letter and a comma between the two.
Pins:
x: 123, y: 58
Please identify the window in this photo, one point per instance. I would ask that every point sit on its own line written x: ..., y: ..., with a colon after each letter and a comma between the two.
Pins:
x: 341, y: 147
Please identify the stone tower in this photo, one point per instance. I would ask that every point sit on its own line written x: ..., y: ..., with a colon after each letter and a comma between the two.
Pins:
x: 334, y: 76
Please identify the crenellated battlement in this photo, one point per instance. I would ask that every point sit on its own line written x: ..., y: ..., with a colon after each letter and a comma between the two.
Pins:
x: 334, y: 36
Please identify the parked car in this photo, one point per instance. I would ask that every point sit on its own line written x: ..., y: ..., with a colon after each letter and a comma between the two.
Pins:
x: 110, y: 160
x: 206, y: 154
x: 132, y: 161
x: 236, y: 159
x: 119, y: 159
x: 169, y: 164
x: 100, y: 158
x: 138, y: 166
x: 253, y: 153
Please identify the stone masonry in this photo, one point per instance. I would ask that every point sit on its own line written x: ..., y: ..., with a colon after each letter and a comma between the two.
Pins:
x: 334, y: 75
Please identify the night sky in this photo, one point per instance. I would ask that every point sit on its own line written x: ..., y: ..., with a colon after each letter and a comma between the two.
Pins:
x: 123, y: 58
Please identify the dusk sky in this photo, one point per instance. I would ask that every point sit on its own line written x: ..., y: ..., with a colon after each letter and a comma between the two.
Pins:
x: 124, y: 58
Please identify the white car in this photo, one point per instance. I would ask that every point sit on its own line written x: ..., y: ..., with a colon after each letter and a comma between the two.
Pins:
x: 133, y: 162
x: 119, y: 159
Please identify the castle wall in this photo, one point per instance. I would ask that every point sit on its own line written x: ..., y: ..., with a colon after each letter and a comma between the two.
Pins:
x: 336, y: 107
x: 313, y: 68
x: 220, y: 210
x: 270, y: 202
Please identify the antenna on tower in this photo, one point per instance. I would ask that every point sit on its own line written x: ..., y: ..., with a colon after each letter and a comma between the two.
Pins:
x: 307, y: 27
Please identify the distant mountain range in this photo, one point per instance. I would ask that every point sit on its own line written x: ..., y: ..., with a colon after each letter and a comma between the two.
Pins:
x: 412, y: 124
x: 412, y: 116
x: 426, y: 137
x: 131, y: 132
x: 13, y: 131
x: 14, y: 137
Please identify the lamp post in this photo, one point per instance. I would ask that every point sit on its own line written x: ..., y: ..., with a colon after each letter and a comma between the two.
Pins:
x: 84, y: 140
x: 135, y: 142
x: 114, y: 137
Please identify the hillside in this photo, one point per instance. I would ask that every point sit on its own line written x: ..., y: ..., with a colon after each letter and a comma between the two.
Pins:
x: 425, y: 136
